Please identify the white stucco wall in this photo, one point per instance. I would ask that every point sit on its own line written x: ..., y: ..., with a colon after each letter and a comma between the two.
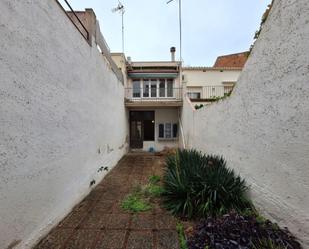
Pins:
x: 209, y: 77
x: 121, y: 62
x: 263, y: 128
x: 62, y: 117
x: 187, y: 124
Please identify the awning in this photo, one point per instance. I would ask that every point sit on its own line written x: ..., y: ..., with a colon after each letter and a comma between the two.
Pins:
x: 153, y: 75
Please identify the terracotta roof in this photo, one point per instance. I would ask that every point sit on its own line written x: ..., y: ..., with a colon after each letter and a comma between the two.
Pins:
x: 232, y: 60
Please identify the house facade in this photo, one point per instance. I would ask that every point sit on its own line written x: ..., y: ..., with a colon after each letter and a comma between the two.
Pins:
x: 153, y: 99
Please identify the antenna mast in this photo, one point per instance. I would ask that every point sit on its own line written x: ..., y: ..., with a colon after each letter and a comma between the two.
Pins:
x: 120, y: 9
x: 180, y: 27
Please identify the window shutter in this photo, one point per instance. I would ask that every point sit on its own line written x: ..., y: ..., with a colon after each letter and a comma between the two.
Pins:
x: 161, y: 130
x: 175, y: 130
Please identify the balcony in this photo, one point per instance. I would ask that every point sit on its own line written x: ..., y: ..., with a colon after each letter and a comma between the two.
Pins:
x: 153, y: 97
x: 209, y: 93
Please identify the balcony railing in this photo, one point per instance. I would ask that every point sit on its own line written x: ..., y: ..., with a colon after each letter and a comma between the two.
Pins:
x: 153, y: 94
x: 210, y: 93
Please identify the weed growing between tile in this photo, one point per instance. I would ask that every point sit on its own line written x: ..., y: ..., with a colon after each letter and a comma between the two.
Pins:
x: 181, y: 236
x: 141, y: 198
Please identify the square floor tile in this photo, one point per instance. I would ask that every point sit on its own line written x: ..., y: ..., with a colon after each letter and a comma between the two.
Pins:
x: 140, y: 240
x: 142, y: 221
x: 95, y: 221
x: 82, y: 239
x: 118, y: 221
x: 167, y: 239
x: 111, y: 239
x: 165, y: 221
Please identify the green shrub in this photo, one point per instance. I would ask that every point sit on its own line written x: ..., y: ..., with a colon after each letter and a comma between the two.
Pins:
x: 201, y: 185
x: 154, y: 179
x: 152, y: 190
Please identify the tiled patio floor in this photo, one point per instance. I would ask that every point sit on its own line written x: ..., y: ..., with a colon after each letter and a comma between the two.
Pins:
x: 98, y: 222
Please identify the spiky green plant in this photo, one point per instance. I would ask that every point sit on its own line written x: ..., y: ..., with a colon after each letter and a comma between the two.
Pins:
x: 200, y: 185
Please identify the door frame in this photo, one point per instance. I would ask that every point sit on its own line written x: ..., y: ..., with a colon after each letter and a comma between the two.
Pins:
x: 142, y: 119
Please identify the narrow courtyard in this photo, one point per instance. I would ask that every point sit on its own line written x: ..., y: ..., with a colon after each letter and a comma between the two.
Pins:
x: 99, y: 222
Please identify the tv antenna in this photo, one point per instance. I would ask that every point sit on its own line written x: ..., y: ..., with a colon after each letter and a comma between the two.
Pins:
x: 120, y: 9
x: 180, y: 27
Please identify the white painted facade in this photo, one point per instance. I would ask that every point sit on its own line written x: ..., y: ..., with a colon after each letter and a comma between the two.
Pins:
x: 209, y: 76
x: 204, y: 83
x: 263, y: 128
x: 59, y: 100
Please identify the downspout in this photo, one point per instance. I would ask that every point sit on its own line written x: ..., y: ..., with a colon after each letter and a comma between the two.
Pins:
x: 181, y: 130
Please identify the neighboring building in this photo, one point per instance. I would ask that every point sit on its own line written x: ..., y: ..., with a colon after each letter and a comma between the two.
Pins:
x: 153, y: 98
x: 206, y: 84
x: 232, y: 60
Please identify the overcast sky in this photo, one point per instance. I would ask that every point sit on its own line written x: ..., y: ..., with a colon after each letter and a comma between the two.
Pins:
x: 210, y: 28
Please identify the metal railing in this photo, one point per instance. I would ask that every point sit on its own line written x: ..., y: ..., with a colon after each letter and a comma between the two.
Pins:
x: 153, y: 94
x: 79, y: 25
x: 210, y: 92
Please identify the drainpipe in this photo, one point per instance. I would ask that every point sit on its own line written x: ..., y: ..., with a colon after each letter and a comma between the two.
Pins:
x: 181, y: 130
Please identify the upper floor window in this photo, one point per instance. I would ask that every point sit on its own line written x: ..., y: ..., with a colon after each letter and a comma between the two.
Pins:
x: 169, y: 86
x: 145, y: 88
x: 153, y: 88
x: 194, y: 95
x: 162, y: 88
x: 136, y: 89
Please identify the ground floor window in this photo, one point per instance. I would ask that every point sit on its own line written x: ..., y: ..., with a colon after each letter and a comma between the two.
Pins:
x: 168, y: 130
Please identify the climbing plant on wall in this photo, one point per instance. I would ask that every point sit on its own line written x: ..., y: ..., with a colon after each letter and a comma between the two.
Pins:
x: 263, y: 20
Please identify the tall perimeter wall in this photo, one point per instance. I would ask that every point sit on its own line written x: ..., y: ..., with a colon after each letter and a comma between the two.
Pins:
x: 62, y: 117
x: 263, y: 128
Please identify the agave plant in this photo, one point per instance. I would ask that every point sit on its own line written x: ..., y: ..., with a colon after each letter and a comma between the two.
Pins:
x: 200, y: 185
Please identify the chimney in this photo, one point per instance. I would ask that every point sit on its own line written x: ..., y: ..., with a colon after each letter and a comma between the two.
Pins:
x: 173, y: 50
